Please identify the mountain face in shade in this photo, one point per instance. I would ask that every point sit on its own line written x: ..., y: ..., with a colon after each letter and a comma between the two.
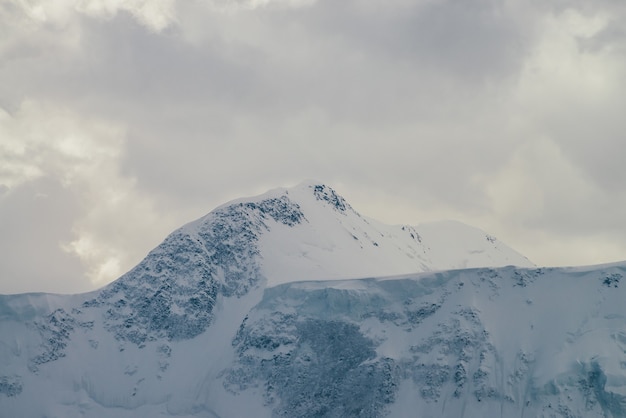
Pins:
x: 292, y: 304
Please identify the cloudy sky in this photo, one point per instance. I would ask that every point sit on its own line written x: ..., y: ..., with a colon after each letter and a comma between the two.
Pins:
x: 120, y: 120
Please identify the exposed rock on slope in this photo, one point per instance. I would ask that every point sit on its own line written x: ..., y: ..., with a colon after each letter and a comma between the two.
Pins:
x: 230, y: 317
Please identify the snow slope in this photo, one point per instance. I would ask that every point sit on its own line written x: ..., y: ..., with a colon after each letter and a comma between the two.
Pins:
x: 502, y: 342
x: 323, y: 237
x: 230, y: 317
x: 505, y: 342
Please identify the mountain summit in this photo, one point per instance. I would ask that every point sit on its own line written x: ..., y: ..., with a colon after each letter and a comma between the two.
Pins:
x: 236, y: 315
x: 309, y: 232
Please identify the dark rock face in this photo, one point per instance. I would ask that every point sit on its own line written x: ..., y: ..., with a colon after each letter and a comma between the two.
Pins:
x: 313, y: 368
x: 173, y: 291
x: 55, y: 330
x: 328, y: 195
x: 453, y: 343
x: 10, y: 385
x: 320, y: 350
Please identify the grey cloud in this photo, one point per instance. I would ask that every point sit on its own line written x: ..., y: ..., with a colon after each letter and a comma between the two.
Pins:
x: 415, y: 101
x: 354, y: 65
x: 365, y: 77
x: 613, y: 36
x: 469, y: 40
x: 593, y: 136
x: 34, y: 221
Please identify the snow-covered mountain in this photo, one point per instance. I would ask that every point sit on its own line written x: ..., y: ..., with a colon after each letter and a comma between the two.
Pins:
x: 309, y: 232
x: 235, y: 315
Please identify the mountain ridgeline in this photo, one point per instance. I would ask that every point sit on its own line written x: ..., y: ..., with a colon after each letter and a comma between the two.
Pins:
x: 291, y: 304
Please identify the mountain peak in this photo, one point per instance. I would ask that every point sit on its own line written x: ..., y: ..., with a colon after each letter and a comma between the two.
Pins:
x: 236, y: 309
x: 328, y: 195
x: 310, y: 232
x: 302, y: 191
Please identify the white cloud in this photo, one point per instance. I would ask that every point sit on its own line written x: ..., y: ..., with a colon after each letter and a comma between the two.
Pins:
x: 558, y: 73
x: 238, y: 5
x: 82, y: 155
x: 539, y: 182
x: 148, y: 113
x: 43, y: 140
x: 575, y: 94
x: 156, y: 15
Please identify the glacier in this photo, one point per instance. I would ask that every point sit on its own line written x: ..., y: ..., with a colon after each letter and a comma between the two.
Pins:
x: 292, y: 304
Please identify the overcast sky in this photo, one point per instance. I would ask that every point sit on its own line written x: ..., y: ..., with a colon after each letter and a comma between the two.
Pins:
x: 121, y: 120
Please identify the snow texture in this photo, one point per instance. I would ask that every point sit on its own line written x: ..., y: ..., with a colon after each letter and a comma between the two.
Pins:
x: 233, y: 315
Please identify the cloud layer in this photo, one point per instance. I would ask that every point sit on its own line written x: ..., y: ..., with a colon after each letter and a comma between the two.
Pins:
x: 119, y: 121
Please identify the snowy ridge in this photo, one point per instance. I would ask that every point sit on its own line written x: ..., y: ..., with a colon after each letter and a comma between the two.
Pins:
x: 231, y: 316
x: 503, y: 342
x: 305, y: 233
x: 330, y: 236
